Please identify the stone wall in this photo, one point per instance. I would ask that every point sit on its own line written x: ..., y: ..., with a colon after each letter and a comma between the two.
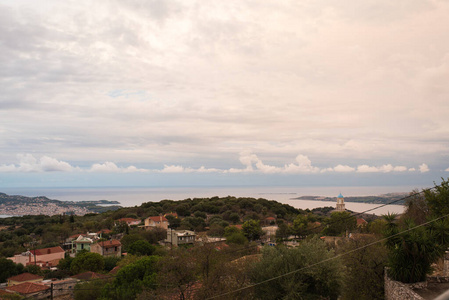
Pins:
x: 395, y: 290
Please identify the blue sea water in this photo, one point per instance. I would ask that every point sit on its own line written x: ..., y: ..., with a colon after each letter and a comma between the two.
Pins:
x: 134, y: 196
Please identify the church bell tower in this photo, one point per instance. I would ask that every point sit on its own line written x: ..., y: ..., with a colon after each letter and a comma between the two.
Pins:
x: 340, y: 203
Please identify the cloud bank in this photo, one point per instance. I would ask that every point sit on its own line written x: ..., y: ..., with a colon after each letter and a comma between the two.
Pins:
x: 251, y: 164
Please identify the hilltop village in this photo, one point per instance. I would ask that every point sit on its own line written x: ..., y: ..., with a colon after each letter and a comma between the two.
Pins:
x: 203, y: 248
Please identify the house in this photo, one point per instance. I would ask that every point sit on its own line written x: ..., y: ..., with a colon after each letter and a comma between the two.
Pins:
x: 30, y: 290
x: 107, y: 248
x: 180, y: 237
x: 81, y: 243
x: 128, y: 221
x: 45, y: 265
x: 270, y: 232
x: 45, y: 255
x: 156, y: 222
x: 24, y: 277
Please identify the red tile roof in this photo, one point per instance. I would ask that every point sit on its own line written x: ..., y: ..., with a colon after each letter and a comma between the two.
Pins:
x: 4, y: 293
x: 109, y: 244
x: 25, y: 277
x: 115, y: 270
x: 270, y: 219
x: 361, y: 222
x: 28, y: 288
x: 158, y: 218
x: 89, y: 275
x: 107, y: 231
x: 47, y: 251
x: 75, y: 236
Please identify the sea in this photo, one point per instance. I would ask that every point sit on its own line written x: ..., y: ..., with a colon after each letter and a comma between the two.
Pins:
x: 135, y: 196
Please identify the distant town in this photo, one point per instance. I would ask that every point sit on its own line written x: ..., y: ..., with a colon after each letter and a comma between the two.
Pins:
x: 15, y: 205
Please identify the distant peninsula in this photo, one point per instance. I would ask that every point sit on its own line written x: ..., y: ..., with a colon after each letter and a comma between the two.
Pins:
x: 16, y: 205
x: 390, y: 198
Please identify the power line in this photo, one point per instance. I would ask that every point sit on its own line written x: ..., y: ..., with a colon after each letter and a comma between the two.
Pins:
x: 310, y: 230
x: 326, y: 260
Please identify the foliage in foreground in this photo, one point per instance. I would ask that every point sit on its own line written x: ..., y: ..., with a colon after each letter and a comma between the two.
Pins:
x: 308, y: 278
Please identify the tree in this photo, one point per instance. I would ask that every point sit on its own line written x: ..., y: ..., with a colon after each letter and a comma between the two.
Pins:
x: 65, y: 263
x: 33, y: 269
x: 299, y: 227
x: 110, y: 263
x: 87, y: 261
x: 177, y: 274
x: 307, y: 278
x: 90, y: 290
x: 339, y: 222
x: 364, y: 278
x: 252, y: 230
x: 129, y: 239
x: 282, y: 232
x: 173, y: 222
x: 8, y: 269
x: 416, y: 207
x: 438, y: 199
x: 412, y: 252
x: 133, y: 278
x: 141, y: 248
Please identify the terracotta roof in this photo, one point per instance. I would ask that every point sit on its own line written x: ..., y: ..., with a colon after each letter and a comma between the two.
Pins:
x: 47, y: 251
x: 361, y: 222
x: 109, y: 244
x: 89, y: 275
x: 25, y: 277
x: 104, y: 231
x: 28, y: 288
x: 270, y: 218
x: 77, y: 235
x: 115, y: 270
x: 4, y: 293
x: 158, y: 218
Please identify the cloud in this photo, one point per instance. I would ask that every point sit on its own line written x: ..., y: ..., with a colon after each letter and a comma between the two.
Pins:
x: 382, y: 169
x: 424, y: 168
x: 110, y: 167
x: 28, y: 163
x: 174, y: 169
x: 343, y: 169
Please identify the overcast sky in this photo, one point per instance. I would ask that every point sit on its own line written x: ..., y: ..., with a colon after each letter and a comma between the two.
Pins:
x: 215, y: 92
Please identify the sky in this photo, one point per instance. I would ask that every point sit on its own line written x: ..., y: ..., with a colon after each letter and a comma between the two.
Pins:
x: 213, y: 93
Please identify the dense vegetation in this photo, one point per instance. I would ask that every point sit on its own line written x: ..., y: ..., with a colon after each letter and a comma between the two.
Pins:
x: 301, y: 265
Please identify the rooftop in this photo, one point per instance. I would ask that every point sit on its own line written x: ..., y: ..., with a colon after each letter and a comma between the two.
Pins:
x: 25, y: 277
x: 109, y: 244
x: 47, y: 251
x: 28, y: 288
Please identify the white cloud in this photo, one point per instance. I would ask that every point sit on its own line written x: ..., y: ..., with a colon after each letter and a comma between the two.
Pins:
x: 387, y: 168
x: 28, y: 163
x: 343, y: 169
x: 174, y: 169
x: 110, y: 167
x: 400, y: 169
x: 424, y: 168
x: 304, y: 165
